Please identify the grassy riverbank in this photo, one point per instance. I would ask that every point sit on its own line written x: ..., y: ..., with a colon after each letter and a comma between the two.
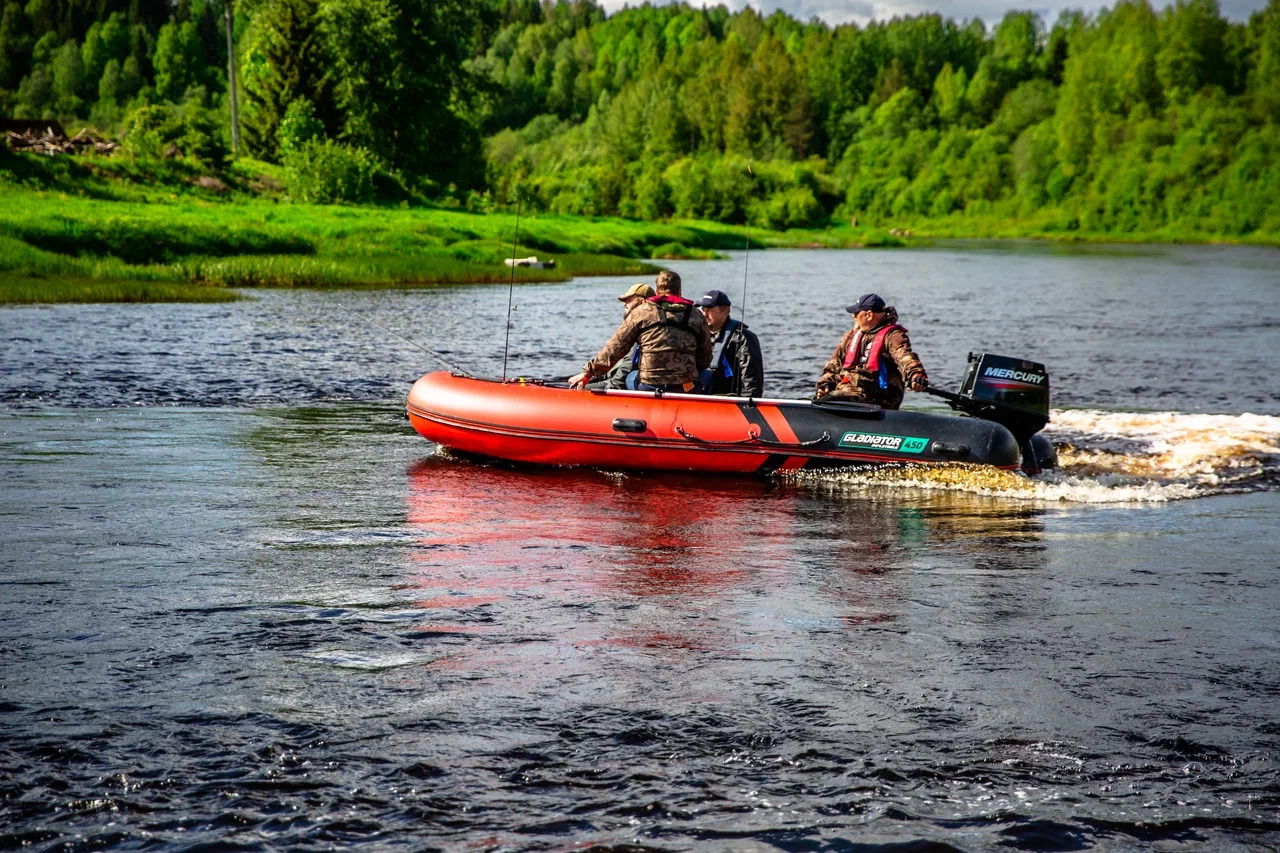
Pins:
x: 1048, y: 227
x: 170, y: 232
x: 113, y: 229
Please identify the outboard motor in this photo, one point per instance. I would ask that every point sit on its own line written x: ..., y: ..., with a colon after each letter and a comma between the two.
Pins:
x: 1013, y: 393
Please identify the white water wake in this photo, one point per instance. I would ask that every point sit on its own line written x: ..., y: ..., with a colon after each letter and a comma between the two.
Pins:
x: 1115, y: 457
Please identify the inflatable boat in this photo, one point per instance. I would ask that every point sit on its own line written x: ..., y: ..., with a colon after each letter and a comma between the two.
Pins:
x: 1006, y: 402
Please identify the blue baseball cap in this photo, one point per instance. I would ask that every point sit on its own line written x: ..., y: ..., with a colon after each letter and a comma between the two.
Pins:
x: 714, y: 297
x: 869, y: 302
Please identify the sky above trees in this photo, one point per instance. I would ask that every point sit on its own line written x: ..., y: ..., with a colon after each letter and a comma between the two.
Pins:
x: 990, y: 11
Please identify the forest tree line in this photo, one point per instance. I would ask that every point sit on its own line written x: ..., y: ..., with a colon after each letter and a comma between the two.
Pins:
x: 1131, y: 119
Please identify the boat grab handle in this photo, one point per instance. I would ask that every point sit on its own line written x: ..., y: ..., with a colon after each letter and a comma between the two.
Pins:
x: 953, y: 451
x: 753, y: 437
x: 629, y: 425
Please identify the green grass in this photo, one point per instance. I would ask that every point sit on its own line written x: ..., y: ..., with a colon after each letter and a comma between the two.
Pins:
x: 116, y: 221
x: 112, y: 229
x: 23, y: 290
x: 1050, y: 225
x: 676, y: 251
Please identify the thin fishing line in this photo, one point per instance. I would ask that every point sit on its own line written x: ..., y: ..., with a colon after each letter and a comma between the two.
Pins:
x: 746, y: 260
x: 515, y: 242
x: 446, y: 362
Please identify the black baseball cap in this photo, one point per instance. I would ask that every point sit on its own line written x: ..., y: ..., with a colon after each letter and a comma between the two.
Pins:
x: 714, y: 297
x: 869, y: 302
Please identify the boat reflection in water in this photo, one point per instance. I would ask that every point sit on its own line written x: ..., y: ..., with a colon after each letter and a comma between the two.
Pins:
x: 591, y: 562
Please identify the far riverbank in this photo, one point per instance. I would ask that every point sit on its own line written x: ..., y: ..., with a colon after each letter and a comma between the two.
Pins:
x: 108, y: 230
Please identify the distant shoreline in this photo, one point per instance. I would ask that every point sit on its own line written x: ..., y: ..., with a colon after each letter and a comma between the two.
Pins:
x: 107, y: 230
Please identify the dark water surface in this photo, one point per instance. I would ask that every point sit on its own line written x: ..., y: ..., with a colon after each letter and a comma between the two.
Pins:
x: 268, y: 616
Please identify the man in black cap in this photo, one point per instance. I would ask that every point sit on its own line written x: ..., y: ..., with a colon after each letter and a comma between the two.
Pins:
x: 737, y: 367
x: 874, y: 359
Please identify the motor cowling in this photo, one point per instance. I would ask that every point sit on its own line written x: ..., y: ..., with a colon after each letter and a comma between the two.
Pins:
x: 1014, y: 393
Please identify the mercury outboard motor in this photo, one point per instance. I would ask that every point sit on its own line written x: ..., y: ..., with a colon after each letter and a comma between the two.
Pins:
x: 1013, y: 393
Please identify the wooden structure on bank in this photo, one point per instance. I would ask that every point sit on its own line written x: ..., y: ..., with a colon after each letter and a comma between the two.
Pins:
x: 47, y: 137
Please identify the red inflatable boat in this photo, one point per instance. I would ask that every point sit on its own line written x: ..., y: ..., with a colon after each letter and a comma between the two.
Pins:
x: 523, y: 421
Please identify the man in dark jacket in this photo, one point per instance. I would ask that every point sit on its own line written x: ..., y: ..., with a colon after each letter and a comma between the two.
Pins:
x: 737, y: 368
x: 874, y: 359
x: 673, y: 337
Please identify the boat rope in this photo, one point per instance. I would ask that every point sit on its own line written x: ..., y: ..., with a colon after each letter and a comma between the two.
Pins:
x: 462, y: 371
x: 515, y: 242
x: 753, y: 437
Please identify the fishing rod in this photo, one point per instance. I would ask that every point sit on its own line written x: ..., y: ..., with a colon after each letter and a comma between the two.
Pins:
x: 446, y: 362
x: 746, y: 259
x: 515, y: 242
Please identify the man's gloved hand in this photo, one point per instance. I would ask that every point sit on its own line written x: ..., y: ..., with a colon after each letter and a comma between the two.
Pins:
x: 918, y: 382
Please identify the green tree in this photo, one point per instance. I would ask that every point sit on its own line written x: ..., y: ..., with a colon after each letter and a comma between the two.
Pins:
x: 35, y: 95
x: 985, y: 90
x: 711, y: 68
x: 563, y: 79
x: 948, y: 94
x: 109, y: 85
x: 15, y: 45
x: 1110, y: 72
x: 141, y: 45
x: 103, y: 42
x: 1069, y: 24
x: 178, y: 60
x: 1015, y: 47
x: 388, y: 53
x: 322, y: 171
x: 68, y: 79
x: 50, y: 17
x: 769, y: 109
x: 1264, y: 81
x: 1192, y: 50
x: 284, y: 57
x: 131, y: 80
x: 43, y: 50
x: 1077, y: 113
x: 299, y: 126
x: 1127, y: 45
x: 1030, y: 103
x: 898, y: 116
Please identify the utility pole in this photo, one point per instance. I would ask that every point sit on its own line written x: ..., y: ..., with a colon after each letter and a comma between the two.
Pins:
x: 231, y: 82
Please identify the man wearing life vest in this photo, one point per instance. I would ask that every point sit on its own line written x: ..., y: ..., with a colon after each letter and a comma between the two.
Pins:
x: 874, y: 359
x: 624, y: 374
x: 737, y: 367
x: 674, y: 341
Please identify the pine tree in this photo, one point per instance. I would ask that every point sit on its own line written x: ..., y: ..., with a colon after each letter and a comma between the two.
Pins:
x: 284, y: 58
x: 109, y: 84
x: 68, y: 79
x: 178, y: 60
x: 15, y: 45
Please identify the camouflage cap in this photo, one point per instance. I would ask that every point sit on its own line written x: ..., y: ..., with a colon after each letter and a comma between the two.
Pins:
x: 642, y: 290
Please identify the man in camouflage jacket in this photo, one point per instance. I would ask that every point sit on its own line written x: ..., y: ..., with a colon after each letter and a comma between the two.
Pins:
x: 674, y: 341
x: 882, y: 361
x: 616, y: 378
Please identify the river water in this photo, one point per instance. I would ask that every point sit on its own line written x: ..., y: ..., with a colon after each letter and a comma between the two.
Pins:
x: 243, y: 606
